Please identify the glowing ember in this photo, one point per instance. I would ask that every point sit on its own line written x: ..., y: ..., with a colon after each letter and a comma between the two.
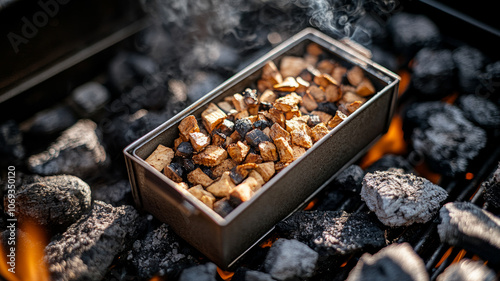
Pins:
x: 29, y: 263
x: 391, y: 143
x: 225, y: 275
x: 311, y: 204
x: 404, y: 82
x: 459, y: 256
x: 469, y: 176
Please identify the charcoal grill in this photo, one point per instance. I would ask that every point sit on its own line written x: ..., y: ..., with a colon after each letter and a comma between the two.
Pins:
x: 223, y: 240
x: 31, y: 91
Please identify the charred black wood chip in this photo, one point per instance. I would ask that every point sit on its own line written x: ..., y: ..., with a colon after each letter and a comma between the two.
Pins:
x: 262, y: 124
x: 223, y: 207
x: 265, y: 106
x: 243, y: 126
x: 185, y: 149
x: 327, y: 107
x: 226, y: 127
x: 256, y: 136
x: 313, y: 120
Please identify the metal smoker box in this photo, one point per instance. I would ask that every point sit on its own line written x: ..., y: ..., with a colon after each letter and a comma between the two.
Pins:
x: 224, y: 240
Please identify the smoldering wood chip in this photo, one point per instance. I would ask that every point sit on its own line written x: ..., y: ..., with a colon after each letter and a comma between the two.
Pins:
x: 467, y: 270
x: 396, y: 262
x: 472, y: 228
x: 333, y: 233
x: 401, y: 199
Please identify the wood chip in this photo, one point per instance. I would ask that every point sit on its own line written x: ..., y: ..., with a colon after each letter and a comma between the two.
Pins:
x: 253, y: 158
x: 212, y: 117
x: 211, y: 156
x: 268, y: 151
x: 238, y: 151
x: 285, y: 151
x: 309, y: 102
x: 188, y: 125
x: 197, y: 176
x: 354, y: 106
x: 319, y: 131
x: 204, y: 196
x: 318, y: 94
x: 336, y: 120
x: 278, y: 132
x: 268, y: 96
x: 297, y: 151
x: 223, y: 186
x: 239, y: 102
x: 324, y: 80
x: 292, y: 66
x: 287, y: 102
x: 226, y: 165
x: 161, y: 157
x: 271, y: 73
x: 288, y: 85
x: 365, y: 88
x: 266, y: 170
x: 199, y: 141
x: 333, y: 93
x: 323, y: 117
x: 355, y: 75
x: 300, y: 137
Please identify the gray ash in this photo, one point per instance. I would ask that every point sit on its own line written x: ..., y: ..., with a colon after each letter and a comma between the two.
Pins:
x: 491, y: 193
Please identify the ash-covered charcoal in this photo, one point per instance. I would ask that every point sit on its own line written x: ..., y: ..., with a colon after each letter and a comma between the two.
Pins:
x: 78, y: 151
x: 391, y: 161
x: 202, y: 272
x: 290, y: 260
x: 441, y: 133
x: 476, y: 230
x: 412, y: 32
x: 469, y: 63
x: 89, y: 98
x: 490, y: 86
x: 87, y: 248
x: 11, y: 143
x: 244, y: 274
x: 50, y: 121
x: 333, y: 232
x: 481, y: 111
x: 53, y: 201
x: 116, y: 194
x: 401, y: 199
x: 396, y: 262
x: 349, y: 179
x: 433, y: 72
x: 491, y: 193
x: 467, y: 270
x: 161, y: 252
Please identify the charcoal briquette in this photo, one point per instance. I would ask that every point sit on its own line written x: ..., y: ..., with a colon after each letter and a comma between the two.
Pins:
x: 349, y: 179
x: 400, y: 199
x: 441, y: 133
x: 290, y: 260
x: 78, y: 151
x: 465, y: 225
x: 412, y: 32
x: 481, y: 111
x: 115, y: 193
x: 88, y: 247
x: 333, y: 233
x: 89, y: 98
x: 433, y: 73
x: 160, y: 252
x: 202, y: 272
x: 469, y: 63
x: 491, y: 193
x: 50, y: 121
x: 391, y: 161
x: 11, y: 143
x: 396, y: 262
x: 467, y: 270
x: 53, y: 201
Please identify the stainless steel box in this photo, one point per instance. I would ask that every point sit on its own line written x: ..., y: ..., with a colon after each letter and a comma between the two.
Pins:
x: 224, y: 240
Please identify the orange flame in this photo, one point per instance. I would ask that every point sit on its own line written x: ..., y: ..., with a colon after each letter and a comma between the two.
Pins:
x: 156, y: 278
x: 459, y: 256
x: 391, y: 143
x: 445, y: 256
x: 404, y: 82
x: 225, y: 275
x: 311, y: 204
x: 27, y: 263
